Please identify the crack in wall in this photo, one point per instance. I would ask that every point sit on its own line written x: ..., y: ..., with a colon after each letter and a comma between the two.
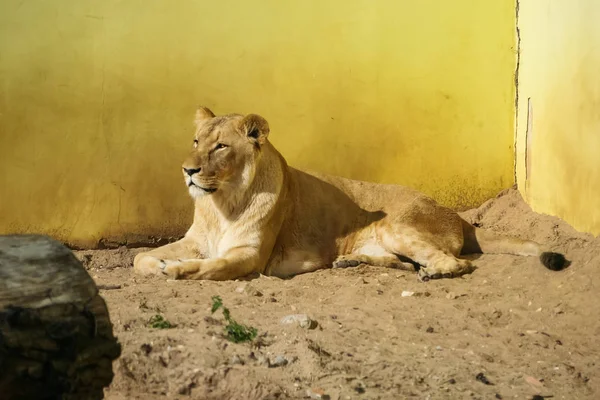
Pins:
x: 517, y: 67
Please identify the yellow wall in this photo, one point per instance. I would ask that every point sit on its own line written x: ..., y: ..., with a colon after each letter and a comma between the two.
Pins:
x: 559, y: 75
x: 97, y: 99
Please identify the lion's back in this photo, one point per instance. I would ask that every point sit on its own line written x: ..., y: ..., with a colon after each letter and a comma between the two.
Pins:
x: 372, y: 196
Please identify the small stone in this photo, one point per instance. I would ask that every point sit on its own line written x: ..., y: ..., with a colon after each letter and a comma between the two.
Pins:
x: 279, y: 361
x: 483, y: 379
x: 236, y: 360
x: 264, y: 361
x: 407, y: 293
x: 301, y: 319
x: 558, y: 310
x: 429, y: 330
x: 438, y: 348
x: 452, y: 381
x: 317, y: 394
x: 249, y: 290
x: 146, y: 348
x: 533, y: 382
x: 359, y: 389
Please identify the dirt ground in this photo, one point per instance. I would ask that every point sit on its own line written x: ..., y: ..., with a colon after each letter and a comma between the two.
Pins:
x: 524, y: 330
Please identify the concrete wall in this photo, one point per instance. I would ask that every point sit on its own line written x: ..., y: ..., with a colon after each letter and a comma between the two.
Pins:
x: 97, y: 99
x: 558, y: 133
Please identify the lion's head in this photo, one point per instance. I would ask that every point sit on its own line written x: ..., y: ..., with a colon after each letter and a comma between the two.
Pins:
x: 224, y: 153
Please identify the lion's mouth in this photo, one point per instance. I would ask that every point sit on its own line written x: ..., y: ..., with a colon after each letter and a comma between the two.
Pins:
x: 207, y: 190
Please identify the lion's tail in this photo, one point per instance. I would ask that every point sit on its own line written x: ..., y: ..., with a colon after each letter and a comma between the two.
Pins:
x: 479, y: 240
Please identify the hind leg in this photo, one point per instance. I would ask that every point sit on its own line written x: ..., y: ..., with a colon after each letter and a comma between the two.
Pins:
x: 435, y: 262
x: 387, y: 261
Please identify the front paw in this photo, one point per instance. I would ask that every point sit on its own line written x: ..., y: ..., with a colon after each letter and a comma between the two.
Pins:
x: 172, y: 269
x: 147, y: 265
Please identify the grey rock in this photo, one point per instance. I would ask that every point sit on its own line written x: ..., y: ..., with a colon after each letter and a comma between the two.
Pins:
x: 301, y: 319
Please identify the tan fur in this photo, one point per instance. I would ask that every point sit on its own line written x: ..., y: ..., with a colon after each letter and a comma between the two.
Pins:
x: 254, y: 213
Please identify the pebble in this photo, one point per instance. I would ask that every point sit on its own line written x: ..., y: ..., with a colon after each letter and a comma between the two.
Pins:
x: 262, y: 360
x: 533, y: 382
x: 249, y: 290
x: 146, y: 348
x: 301, y: 319
x: 360, y: 281
x: 317, y: 394
x: 483, y: 379
x: 279, y: 361
x: 236, y: 360
x: 359, y: 389
x: 406, y: 293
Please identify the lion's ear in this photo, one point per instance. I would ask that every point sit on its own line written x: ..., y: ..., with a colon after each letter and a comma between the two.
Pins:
x: 202, y: 114
x: 256, y: 128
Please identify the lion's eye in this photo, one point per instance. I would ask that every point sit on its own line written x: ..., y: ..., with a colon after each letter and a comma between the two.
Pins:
x: 220, y: 146
x: 195, y: 143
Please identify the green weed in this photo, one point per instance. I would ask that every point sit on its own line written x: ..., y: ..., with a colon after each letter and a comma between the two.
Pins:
x: 235, y: 331
x: 158, y: 322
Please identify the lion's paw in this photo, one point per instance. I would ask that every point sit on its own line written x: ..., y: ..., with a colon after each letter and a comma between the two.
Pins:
x: 171, y: 268
x: 346, y: 261
x: 449, y: 270
x: 148, y: 265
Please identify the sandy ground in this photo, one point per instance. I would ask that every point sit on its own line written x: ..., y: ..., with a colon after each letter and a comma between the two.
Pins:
x: 528, y: 330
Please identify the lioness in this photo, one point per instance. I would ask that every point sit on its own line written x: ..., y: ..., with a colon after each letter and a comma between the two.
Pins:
x: 254, y: 213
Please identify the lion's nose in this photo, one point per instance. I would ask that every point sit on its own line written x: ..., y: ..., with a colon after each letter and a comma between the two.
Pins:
x: 191, y: 171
